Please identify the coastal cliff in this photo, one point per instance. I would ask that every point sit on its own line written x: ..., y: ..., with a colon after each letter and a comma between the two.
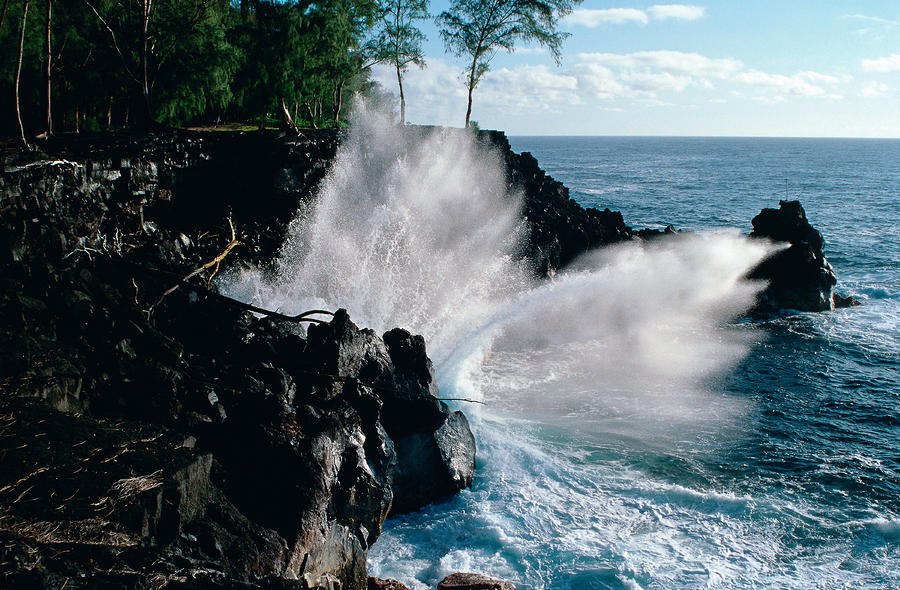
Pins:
x: 158, y: 434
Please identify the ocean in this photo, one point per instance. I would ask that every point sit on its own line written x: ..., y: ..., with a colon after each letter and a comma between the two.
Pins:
x: 636, y: 431
x: 783, y: 471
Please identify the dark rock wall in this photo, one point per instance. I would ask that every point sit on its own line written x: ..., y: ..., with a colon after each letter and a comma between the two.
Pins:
x: 217, y: 447
x: 559, y: 229
x: 252, y: 450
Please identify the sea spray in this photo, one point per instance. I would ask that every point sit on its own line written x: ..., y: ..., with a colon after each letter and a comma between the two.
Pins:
x: 415, y: 228
x: 412, y: 227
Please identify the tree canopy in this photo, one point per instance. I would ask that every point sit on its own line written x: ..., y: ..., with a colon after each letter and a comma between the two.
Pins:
x: 117, y: 63
x: 398, y: 40
x: 477, y: 29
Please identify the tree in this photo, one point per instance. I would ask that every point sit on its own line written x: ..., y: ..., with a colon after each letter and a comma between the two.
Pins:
x: 149, y: 35
x: 19, y: 74
x: 476, y: 29
x: 399, y: 42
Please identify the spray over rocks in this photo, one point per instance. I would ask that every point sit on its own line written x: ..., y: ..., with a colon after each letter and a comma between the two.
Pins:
x: 177, y: 437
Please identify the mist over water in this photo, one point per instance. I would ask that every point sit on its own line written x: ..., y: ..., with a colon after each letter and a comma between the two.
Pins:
x: 591, y: 379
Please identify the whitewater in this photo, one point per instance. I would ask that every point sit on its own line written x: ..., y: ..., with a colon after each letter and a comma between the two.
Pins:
x: 631, y: 435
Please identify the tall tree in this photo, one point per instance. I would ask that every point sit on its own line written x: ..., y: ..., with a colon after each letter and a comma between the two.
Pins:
x: 477, y: 29
x: 399, y: 41
x: 49, y: 130
x: 148, y: 36
x: 19, y: 73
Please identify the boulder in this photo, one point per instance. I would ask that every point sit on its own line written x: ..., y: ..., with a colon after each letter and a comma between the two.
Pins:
x: 385, y: 584
x: 469, y: 581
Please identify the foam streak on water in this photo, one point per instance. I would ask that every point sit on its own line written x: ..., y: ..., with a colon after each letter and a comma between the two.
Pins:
x: 610, y: 453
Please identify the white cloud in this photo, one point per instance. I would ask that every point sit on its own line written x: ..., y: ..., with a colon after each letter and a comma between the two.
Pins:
x: 891, y: 63
x: 783, y: 86
x: 821, y: 78
x: 875, y: 89
x: 596, y: 17
x: 676, y: 11
x: 692, y: 64
x: 530, y: 50
x: 873, y: 27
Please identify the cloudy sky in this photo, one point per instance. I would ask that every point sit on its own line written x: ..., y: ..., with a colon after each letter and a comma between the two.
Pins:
x: 801, y: 68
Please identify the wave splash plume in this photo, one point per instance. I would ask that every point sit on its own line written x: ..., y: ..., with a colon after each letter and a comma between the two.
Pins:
x: 416, y: 228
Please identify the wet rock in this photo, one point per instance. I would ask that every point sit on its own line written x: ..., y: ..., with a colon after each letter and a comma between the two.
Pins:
x: 559, y: 229
x: 469, y: 581
x: 275, y: 460
x: 385, y: 584
x: 799, y: 276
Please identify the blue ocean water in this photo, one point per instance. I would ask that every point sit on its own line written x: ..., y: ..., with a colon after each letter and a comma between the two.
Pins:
x: 783, y: 472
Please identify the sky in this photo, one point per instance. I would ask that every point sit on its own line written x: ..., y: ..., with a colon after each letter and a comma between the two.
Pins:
x: 785, y: 68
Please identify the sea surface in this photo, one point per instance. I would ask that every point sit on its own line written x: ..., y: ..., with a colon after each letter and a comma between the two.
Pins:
x: 751, y: 454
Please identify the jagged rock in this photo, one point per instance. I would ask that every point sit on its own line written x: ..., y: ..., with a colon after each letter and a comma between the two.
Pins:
x: 290, y: 457
x: 559, y: 229
x: 385, y: 584
x: 799, y: 277
x: 468, y: 581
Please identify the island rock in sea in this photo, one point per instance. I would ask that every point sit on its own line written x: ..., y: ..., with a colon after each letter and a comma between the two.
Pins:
x: 798, y: 276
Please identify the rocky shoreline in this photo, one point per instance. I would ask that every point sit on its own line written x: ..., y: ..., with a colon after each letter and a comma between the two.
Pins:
x: 155, y: 434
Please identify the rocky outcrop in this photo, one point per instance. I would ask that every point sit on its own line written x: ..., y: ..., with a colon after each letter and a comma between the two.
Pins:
x: 799, y: 277
x: 559, y: 229
x: 469, y: 581
x: 157, y: 434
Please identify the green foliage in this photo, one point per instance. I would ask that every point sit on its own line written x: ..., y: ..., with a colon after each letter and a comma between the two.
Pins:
x: 477, y: 29
x: 206, y: 61
x: 398, y: 41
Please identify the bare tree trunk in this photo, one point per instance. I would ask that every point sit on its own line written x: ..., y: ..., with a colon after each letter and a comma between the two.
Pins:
x: 402, y: 98
x: 77, y: 128
x: 340, y: 101
x: 19, y: 74
x: 145, y: 42
x: 109, y: 114
x: 311, y: 113
x: 286, y: 121
x: 471, y: 86
x: 49, y: 131
x: 3, y: 13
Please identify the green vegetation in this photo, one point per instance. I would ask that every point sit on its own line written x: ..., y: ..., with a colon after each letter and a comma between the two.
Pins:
x: 141, y: 63
x: 477, y: 29
x: 95, y: 65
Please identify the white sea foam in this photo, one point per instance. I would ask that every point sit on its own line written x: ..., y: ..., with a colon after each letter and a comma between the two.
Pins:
x: 593, y: 379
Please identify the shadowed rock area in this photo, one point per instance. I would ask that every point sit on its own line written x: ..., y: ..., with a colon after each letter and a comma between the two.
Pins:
x: 155, y: 434
x: 799, y: 276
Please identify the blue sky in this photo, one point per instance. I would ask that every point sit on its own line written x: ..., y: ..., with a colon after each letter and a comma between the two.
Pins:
x: 796, y: 68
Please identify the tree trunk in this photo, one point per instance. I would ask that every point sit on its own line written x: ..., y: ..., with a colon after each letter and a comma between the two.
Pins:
x: 287, y: 122
x: 311, y: 113
x: 402, y: 98
x: 471, y: 86
x: 77, y: 128
x: 109, y: 114
x: 3, y: 13
x: 339, y: 104
x: 49, y: 64
x: 145, y: 49
x: 19, y: 74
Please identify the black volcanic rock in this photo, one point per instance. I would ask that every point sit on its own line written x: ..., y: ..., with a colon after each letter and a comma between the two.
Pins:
x: 799, y: 276
x: 267, y: 455
x: 469, y: 581
x: 559, y: 228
